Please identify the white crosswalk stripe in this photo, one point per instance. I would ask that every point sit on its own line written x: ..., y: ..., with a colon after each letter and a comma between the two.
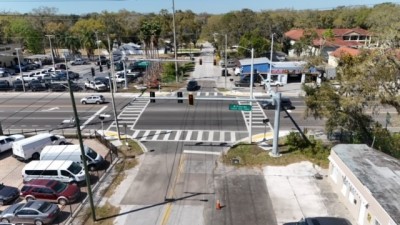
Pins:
x: 189, y: 135
x: 130, y: 114
x: 257, y: 114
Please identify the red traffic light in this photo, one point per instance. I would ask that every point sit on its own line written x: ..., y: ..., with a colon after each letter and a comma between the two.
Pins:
x: 201, y: 62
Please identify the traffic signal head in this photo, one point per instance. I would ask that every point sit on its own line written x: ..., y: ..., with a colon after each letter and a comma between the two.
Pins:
x: 215, y: 62
x: 152, y: 95
x: 191, y: 99
x: 100, y: 68
x: 180, y: 95
x: 92, y: 70
x: 201, y: 62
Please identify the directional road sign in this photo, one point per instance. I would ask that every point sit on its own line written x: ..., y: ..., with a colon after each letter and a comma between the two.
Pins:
x: 240, y: 107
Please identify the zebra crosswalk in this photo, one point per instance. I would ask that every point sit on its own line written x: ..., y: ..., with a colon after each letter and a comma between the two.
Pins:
x: 189, y: 135
x: 258, y: 114
x: 130, y: 114
x: 198, y: 94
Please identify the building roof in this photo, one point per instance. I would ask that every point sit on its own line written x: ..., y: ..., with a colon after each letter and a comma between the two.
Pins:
x: 343, y: 50
x: 378, y: 172
x: 296, y: 34
x: 262, y: 60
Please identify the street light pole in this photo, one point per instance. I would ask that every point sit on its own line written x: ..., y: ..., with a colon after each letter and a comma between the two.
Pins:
x: 51, y: 49
x: 112, y: 65
x: 20, y: 70
x: 125, y: 76
x: 98, y: 48
x: 251, y: 95
x: 175, y: 50
x: 226, y: 58
x: 270, y: 65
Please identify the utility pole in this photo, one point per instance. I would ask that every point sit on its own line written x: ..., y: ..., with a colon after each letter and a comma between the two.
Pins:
x: 112, y: 64
x: 175, y: 50
x: 114, y: 109
x: 270, y: 65
x: 78, y: 130
x: 50, y: 36
x: 20, y: 69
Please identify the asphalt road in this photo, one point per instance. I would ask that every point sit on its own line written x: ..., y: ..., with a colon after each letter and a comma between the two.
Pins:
x: 186, y: 181
x: 48, y: 110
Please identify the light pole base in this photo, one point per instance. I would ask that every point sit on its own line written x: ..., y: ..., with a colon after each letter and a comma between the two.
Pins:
x: 274, y: 155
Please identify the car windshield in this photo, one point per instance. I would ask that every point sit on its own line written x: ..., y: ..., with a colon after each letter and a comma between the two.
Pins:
x: 59, y: 186
x: 92, y: 154
x: 1, y: 186
x: 74, y: 168
x: 44, y: 207
x: 98, y: 83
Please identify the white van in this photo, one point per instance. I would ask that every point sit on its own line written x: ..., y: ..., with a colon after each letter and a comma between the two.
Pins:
x: 62, y: 170
x: 73, y: 153
x: 32, y: 146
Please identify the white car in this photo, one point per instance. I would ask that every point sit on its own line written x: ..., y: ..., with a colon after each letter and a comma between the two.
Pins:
x: 6, y: 142
x: 271, y: 83
x: 93, y: 99
x: 95, y: 85
x: 27, y: 77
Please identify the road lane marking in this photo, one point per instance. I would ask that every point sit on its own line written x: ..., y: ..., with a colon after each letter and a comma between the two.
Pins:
x: 188, y: 135
x: 201, y: 152
x: 155, y: 136
x: 178, y: 135
x: 92, y: 117
x: 166, y: 137
x: 199, y: 135
x: 210, y: 135
x: 135, y: 134
x: 233, y: 137
x: 145, y: 135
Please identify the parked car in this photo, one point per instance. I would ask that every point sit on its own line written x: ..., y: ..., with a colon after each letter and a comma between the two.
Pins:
x: 192, y: 86
x: 320, y: 221
x: 285, y: 103
x: 5, y: 85
x: 79, y: 61
x: 103, y: 61
x: 93, y: 99
x: 17, y: 68
x: 95, y: 85
x: 57, y: 87
x: 8, y: 194
x: 18, y: 85
x: 34, y: 212
x: 272, y: 83
x: 36, y: 85
x: 50, y: 191
x: 60, y: 66
x: 72, y: 75
x: 6, y: 142
x: 27, y: 77
x: 5, y: 73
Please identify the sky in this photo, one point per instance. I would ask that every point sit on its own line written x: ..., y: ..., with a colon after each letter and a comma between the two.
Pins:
x: 146, y: 6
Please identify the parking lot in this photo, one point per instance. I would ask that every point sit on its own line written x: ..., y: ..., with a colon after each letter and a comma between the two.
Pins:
x: 84, y: 71
x: 10, y: 175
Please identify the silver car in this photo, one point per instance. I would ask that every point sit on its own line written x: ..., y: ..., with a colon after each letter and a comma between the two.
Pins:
x: 93, y: 99
x: 32, y: 212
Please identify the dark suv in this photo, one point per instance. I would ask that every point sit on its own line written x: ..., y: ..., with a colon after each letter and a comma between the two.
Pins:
x: 192, y: 86
x: 5, y: 85
x: 285, y: 103
x: 51, y: 191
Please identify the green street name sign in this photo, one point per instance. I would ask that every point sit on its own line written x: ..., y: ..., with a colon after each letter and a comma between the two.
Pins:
x: 240, y: 107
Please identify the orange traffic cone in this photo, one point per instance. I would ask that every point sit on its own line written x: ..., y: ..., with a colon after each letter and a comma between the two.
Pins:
x: 218, y: 206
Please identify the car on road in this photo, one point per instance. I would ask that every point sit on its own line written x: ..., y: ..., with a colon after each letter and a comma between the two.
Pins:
x: 192, y: 86
x: 34, y: 212
x: 320, y: 221
x: 285, y: 103
x: 8, y: 194
x: 6, y: 142
x: 244, y: 82
x: 231, y: 63
x: 50, y: 191
x: 93, y: 99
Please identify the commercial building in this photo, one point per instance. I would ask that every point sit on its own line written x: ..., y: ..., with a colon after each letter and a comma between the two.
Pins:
x: 367, y: 181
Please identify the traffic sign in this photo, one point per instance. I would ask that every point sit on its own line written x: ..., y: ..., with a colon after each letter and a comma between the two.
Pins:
x: 240, y: 107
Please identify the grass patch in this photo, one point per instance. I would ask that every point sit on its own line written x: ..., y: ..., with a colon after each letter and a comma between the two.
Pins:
x: 254, y: 156
x: 104, y: 211
x: 131, y: 150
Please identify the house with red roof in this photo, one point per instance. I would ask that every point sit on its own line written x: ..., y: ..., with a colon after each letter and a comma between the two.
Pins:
x: 355, y: 38
x: 340, y: 52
